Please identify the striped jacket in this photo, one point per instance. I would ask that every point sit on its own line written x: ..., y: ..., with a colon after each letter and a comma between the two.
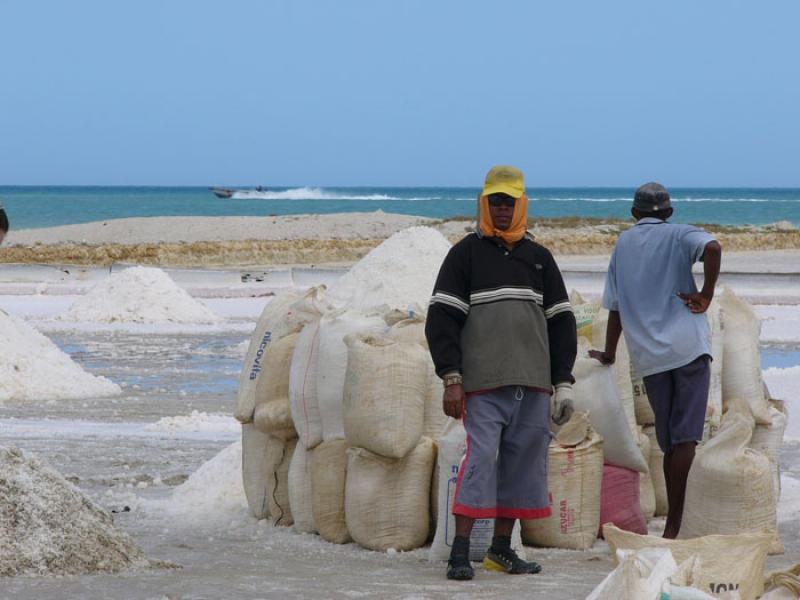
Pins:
x: 501, y: 317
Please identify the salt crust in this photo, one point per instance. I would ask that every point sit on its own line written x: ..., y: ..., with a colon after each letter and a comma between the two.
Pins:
x: 49, y: 527
x: 196, y: 421
x: 398, y: 274
x: 32, y: 368
x: 139, y: 295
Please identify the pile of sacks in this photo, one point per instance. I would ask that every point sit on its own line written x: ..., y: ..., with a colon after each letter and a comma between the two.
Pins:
x: 339, y: 413
x: 607, y: 468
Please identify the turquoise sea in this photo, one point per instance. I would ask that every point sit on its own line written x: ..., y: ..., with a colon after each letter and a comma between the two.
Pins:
x: 30, y: 207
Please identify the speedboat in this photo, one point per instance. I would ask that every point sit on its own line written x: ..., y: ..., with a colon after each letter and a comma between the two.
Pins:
x: 222, y: 192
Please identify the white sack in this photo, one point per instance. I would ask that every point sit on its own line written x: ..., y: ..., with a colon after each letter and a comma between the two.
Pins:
x: 387, y: 500
x: 769, y: 439
x: 273, y: 414
x: 284, y: 314
x: 574, y: 478
x: 714, y: 408
x: 303, y: 386
x: 278, y: 497
x: 656, y: 463
x: 384, y: 394
x: 741, y: 362
x: 724, y: 562
x: 261, y: 458
x: 452, y: 446
x: 647, y: 492
x: 596, y: 392
x: 729, y: 489
x: 642, y: 575
x: 328, y: 476
x: 332, y: 365
x: 413, y: 330
x: 300, y: 491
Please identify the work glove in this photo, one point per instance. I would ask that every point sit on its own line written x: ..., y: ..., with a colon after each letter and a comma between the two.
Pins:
x: 561, y: 403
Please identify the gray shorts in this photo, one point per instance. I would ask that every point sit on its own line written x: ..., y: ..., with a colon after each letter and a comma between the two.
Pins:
x: 679, y: 398
x: 504, y: 472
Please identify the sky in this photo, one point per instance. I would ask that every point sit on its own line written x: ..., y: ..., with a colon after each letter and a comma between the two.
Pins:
x: 400, y: 93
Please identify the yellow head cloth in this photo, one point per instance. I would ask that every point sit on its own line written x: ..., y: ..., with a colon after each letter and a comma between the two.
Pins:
x: 519, y: 221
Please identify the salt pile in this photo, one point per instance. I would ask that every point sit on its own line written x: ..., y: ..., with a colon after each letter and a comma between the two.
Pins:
x: 212, y: 493
x: 48, y: 527
x: 139, y: 295
x: 398, y: 274
x: 197, y: 421
x: 34, y: 368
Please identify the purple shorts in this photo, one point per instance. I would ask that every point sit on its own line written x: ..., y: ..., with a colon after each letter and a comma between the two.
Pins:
x: 679, y: 398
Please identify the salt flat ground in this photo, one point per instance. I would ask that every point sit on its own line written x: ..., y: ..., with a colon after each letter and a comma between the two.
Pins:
x: 114, y: 450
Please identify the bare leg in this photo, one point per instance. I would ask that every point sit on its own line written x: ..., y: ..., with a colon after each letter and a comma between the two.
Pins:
x: 464, y: 526
x: 502, y: 526
x: 676, y: 472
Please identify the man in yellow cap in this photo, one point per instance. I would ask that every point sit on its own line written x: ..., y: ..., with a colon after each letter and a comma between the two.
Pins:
x: 502, y: 336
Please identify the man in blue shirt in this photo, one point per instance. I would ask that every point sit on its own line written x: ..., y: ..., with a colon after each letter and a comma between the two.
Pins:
x: 652, y: 297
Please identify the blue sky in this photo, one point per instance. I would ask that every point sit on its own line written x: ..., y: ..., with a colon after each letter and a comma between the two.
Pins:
x: 410, y: 92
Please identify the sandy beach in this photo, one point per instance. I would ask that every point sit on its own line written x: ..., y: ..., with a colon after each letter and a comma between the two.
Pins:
x: 311, y: 239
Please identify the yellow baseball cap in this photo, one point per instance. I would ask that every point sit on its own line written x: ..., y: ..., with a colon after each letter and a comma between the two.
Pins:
x: 504, y: 180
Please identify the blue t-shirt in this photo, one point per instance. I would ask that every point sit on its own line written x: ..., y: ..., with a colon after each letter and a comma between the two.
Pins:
x: 651, y: 262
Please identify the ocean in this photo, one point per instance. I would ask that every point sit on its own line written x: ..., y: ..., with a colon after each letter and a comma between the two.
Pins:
x: 31, y: 207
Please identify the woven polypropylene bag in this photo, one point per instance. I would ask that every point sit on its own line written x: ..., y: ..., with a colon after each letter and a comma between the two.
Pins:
x: 300, y: 491
x: 328, y: 476
x: 273, y: 414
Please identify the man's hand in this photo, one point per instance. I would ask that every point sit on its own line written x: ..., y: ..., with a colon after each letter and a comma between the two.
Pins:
x: 603, y: 357
x: 562, y: 403
x: 453, y: 400
x: 697, y: 302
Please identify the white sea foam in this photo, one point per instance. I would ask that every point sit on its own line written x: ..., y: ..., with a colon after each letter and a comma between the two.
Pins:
x: 306, y: 193
x: 33, y: 368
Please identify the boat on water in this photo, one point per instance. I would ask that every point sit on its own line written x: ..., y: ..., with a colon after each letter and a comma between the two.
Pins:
x: 221, y: 192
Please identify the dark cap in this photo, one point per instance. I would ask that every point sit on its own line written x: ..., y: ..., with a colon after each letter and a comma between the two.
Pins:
x: 651, y: 197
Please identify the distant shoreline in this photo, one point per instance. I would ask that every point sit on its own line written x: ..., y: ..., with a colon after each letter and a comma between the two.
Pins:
x: 312, y: 239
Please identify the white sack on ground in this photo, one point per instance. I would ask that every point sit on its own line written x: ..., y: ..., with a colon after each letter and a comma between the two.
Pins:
x: 284, y: 314
x: 273, y: 414
x: 656, y: 463
x: 328, y: 476
x: 387, y: 500
x: 278, y: 498
x: 714, y: 410
x: 647, y: 492
x: 769, y: 439
x: 741, y: 362
x: 33, y: 368
x: 261, y: 457
x: 303, y: 386
x: 332, y: 365
x: 641, y: 403
x: 413, y: 330
x: 49, y: 527
x: 384, y: 394
x: 574, y: 476
x: 452, y: 446
x: 729, y: 489
x: 725, y: 562
x: 596, y: 392
x: 300, y: 490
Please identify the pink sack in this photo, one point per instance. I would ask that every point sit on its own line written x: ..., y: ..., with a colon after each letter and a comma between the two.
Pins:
x: 619, y: 500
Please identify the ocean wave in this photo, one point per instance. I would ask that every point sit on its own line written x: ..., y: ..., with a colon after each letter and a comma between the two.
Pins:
x: 306, y: 193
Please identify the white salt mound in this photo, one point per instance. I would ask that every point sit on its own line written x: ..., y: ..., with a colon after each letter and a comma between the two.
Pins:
x: 139, y: 295
x: 212, y: 493
x: 398, y: 274
x: 34, y: 368
x: 197, y: 421
x: 48, y: 527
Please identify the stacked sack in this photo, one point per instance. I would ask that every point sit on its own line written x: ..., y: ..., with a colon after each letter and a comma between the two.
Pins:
x: 389, y: 461
x: 269, y: 437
